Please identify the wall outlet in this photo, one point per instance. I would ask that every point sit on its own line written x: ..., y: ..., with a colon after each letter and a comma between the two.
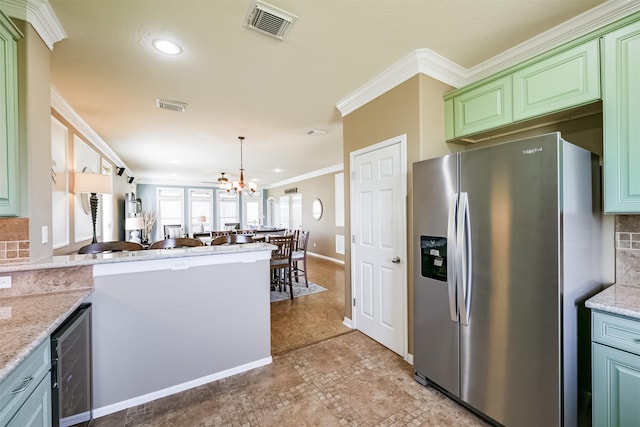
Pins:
x: 314, y: 244
x: 45, y: 234
x: 5, y: 282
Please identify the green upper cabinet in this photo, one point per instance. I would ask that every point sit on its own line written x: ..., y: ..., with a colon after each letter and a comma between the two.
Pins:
x: 557, y: 81
x: 621, y: 119
x: 485, y: 107
x: 9, y: 170
x: 565, y: 80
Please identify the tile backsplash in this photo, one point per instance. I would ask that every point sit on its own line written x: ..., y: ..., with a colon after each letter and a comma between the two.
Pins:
x: 628, y: 249
x: 14, y: 240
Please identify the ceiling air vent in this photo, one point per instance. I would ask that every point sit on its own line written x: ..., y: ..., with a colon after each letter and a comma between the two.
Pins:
x: 167, y: 104
x: 269, y: 19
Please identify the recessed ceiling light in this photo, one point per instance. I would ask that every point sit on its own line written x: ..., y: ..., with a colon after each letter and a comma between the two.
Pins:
x: 278, y: 170
x: 167, y: 46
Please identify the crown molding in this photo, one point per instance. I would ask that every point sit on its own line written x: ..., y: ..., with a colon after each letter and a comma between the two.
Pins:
x: 419, y: 61
x: 59, y: 104
x: 330, y: 169
x: 440, y: 68
x: 40, y: 15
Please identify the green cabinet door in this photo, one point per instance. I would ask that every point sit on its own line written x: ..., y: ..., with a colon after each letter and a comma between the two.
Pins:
x: 564, y: 80
x: 483, y: 108
x: 616, y: 387
x: 621, y: 119
x: 9, y: 168
x: 36, y: 411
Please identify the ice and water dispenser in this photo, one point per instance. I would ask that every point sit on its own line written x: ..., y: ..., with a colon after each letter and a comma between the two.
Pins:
x: 434, y: 257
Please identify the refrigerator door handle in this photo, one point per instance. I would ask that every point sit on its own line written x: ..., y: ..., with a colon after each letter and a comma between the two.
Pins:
x: 451, y: 256
x: 463, y: 263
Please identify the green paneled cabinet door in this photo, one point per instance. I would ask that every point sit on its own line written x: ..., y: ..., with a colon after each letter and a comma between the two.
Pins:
x: 621, y: 119
x: 485, y: 107
x: 36, y: 411
x: 9, y: 167
x: 565, y: 80
x: 616, y: 387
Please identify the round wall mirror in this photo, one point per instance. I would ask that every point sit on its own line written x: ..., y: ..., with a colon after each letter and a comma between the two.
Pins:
x: 316, y: 209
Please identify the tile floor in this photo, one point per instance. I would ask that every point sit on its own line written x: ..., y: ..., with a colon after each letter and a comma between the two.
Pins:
x: 323, y: 374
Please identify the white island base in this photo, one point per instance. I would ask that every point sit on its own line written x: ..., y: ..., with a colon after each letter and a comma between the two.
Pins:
x: 162, y: 326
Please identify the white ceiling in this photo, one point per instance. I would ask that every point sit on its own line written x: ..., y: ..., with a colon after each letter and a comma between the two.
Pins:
x: 237, y: 81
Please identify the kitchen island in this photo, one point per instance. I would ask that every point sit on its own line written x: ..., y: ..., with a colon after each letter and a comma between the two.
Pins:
x: 163, y: 320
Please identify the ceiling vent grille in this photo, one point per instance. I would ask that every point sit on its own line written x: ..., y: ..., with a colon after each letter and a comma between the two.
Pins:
x: 167, y: 104
x: 269, y: 19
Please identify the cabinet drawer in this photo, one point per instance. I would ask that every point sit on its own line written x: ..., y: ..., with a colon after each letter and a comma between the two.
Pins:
x: 619, y: 332
x: 17, y: 387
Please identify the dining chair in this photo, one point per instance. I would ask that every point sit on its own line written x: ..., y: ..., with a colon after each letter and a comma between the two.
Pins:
x: 172, y: 231
x: 298, y: 255
x: 231, y: 239
x: 115, y: 246
x: 180, y: 242
x: 280, y: 265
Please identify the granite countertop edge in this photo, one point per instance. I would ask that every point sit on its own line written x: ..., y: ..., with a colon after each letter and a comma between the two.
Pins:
x: 76, y: 260
x: 76, y: 298
x: 620, y: 299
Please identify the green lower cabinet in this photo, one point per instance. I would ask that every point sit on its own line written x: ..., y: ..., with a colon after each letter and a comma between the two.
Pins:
x: 36, y: 411
x: 616, y: 387
x: 621, y: 123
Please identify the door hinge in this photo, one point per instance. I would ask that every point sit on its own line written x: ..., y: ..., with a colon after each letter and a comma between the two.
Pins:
x: 353, y: 238
x: 353, y: 176
x: 354, y: 302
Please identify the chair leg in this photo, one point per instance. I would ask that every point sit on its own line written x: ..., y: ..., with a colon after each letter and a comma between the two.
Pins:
x: 304, y: 265
x: 290, y: 283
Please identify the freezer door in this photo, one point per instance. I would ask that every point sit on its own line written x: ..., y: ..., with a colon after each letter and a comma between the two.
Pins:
x: 435, y: 337
x: 509, y: 351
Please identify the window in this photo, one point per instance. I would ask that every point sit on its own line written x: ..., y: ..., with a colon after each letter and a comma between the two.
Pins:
x: 283, y: 203
x: 271, y: 211
x: 296, y: 212
x: 228, y: 211
x: 200, y: 210
x: 170, y: 209
x: 252, y: 211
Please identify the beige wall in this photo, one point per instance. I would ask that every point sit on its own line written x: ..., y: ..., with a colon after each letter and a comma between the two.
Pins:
x: 34, y: 89
x: 322, y: 233
x: 414, y: 108
x: 120, y: 187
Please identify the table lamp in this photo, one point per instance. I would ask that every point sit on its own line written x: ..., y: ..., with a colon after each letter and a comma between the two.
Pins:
x: 134, y: 224
x: 201, y: 219
x: 92, y: 183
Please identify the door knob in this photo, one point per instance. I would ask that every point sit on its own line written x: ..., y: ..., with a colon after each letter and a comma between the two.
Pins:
x: 396, y: 260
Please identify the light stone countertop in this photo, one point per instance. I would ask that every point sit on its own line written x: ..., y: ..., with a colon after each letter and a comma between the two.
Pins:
x: 75, y: 260
x: 32, y: 320
x: 617, y: 299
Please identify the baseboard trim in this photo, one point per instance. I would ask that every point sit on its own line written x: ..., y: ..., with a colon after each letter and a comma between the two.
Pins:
x: 139, y: 400
x: 347, y: 322
x: 337, y: 261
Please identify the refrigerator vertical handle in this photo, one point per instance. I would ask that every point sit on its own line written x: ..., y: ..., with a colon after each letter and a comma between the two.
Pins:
x: 463, y: 263
x: 451, y: 256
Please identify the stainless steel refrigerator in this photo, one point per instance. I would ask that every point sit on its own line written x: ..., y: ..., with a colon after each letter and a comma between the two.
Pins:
x: 506, y: 248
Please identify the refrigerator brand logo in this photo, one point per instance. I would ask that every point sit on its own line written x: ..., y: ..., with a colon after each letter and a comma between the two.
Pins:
x: 532, y: 150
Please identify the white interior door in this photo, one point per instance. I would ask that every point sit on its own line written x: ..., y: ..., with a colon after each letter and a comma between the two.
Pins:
x: 378, y: 224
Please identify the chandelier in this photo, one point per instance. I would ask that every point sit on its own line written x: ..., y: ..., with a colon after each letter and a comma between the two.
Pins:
x: 237, y: 187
